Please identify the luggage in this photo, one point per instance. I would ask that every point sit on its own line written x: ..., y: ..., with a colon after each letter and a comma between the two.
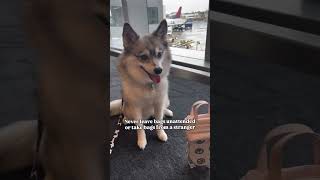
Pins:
x: 269, y: 165
x: 199, y: 137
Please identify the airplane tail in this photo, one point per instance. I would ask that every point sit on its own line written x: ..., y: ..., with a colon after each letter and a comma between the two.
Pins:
x: 17, y: 145
x: 178, y: 14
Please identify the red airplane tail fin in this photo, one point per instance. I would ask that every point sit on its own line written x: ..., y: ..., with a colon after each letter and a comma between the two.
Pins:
x: 178, y: 15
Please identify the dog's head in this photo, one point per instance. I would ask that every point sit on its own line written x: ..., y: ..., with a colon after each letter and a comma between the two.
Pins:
x: 146, y: 59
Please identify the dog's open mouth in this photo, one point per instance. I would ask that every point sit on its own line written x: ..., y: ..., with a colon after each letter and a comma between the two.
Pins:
x: 153, y: 77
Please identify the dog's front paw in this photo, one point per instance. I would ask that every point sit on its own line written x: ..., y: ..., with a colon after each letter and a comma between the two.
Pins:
x: 168, y: 113
x: 142, y: 142
x: 162, y: 136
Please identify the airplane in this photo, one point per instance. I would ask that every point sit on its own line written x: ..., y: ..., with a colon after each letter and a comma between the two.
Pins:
x: 176, y: 23
x: 175, y: 15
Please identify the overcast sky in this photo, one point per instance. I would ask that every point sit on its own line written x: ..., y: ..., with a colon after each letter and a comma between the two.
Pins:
x: 187, y: 5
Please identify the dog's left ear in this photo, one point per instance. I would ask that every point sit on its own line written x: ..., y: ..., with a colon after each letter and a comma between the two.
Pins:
x: 161, y: 30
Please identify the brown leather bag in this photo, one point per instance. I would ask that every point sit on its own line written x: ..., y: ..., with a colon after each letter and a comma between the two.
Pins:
x: 270, y: 167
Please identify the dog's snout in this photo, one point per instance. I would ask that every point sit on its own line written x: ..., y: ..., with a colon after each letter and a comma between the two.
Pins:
x: 157, y: 70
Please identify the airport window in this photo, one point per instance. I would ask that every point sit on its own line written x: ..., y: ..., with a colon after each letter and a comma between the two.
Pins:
x: 116, y: 16
x: 187, y: 25
x: 153, y: 17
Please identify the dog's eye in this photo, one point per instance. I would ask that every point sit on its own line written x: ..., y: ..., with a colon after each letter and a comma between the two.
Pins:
x: 159, y: 55
x: 143, y: 57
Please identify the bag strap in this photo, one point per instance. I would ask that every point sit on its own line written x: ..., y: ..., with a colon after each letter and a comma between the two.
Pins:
x: 196, y: 106
x: 277, y: 151
x: 276, y: 134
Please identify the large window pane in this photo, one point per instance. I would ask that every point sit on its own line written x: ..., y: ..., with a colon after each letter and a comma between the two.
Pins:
x: 116, y: 23
x: 116, y: 17
x: 187, y: 24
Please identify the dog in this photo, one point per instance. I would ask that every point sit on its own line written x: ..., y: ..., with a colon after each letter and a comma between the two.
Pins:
x: 144, y: 67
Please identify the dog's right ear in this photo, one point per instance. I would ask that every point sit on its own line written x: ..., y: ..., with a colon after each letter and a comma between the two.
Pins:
x: 162, y: 29
x: 129, y: 36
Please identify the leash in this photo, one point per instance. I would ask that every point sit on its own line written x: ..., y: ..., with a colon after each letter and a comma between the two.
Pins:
x: 117, y: 130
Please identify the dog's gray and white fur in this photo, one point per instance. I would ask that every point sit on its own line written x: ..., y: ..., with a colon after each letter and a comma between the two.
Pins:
x: 144, y: 67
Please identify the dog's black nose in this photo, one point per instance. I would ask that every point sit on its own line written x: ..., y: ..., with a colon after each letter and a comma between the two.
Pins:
x: 157, y: 70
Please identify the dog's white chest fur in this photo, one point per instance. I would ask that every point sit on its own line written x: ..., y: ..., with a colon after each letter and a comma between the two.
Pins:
x: 144, y: 99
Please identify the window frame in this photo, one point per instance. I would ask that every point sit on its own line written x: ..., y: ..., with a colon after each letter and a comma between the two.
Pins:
x: 201, y: 66
x: 284, y: 40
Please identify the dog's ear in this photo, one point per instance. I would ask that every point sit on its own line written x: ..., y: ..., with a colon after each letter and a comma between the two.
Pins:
x: 129, y: 36
x: 161, y: 30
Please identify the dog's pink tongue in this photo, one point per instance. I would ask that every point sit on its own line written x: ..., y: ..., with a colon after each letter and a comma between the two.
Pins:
x: 155, y: 78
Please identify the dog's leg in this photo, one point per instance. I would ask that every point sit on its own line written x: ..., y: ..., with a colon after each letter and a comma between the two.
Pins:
x: 168, y: 112
x: 158, y: 113
x: 136, y: 115
x: 141, y: 135
x: 115, y: 107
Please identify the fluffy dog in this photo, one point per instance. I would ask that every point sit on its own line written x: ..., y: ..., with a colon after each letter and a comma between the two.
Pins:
x: 144, y: 67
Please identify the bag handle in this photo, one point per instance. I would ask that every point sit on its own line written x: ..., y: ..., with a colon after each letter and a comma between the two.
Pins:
x: 277, y: 152
x: 196, y: 106
x: 276, y: 134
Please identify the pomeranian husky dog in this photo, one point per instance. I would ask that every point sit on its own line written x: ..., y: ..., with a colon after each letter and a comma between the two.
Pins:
x: 144, y: 67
